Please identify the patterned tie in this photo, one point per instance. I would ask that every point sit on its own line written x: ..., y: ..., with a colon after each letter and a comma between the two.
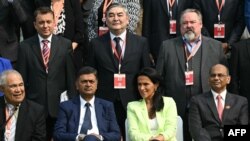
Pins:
x: 87, y: 120
x: 118, y: 46
x: 45, y: 52
x: 219, y: 106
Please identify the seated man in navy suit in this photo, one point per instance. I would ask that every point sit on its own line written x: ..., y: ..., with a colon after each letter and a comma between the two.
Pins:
x: 86, y: 117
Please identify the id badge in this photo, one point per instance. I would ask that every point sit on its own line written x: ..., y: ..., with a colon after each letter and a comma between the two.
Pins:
x: 219, y: 30
x: 102, y: 30
x: 119, y: 81
x: 189, y: 76
x: 172, y: 27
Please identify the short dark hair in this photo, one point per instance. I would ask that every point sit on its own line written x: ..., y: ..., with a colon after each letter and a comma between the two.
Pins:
x: 86, y: 70
x: 43, y: 10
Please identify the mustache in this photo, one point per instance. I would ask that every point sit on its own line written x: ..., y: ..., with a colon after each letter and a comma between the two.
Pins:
x: 189, y: 30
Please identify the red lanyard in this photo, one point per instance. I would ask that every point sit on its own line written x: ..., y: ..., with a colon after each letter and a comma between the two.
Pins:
x: 219, y: 6
x: 105, y: 6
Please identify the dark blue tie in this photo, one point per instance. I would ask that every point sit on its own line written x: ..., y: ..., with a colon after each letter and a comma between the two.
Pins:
x: 118, y: 46
x: 87, y: 120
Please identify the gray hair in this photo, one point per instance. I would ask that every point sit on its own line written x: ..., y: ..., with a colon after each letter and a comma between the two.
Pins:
x: 190, y: 10
x: 117, y: 5
x: 4, y: 74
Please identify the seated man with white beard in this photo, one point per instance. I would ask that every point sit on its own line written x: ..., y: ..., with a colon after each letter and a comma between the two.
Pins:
x: 184, y: 63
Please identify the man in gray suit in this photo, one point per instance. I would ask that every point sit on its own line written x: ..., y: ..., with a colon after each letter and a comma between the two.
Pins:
x: 210, y: 111
x: 184, y: 62
x: 45, y: 62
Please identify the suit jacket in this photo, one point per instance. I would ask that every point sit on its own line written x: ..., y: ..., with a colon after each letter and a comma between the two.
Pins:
x: 11, y: 15
x: 247, y: 14
x: 171, y: 65
x: 155, y: 24
x: 239, y: 68
x: 45, y: 88
x: 102, y: 58
x: 66, y: 127
x: 232, y: 15
x: 204, y: 122
x: 30, y: 125
x: 138, y: 120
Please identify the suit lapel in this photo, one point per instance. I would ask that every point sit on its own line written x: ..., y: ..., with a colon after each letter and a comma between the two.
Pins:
x: 2, y: 117
x: 144, y: 114
x: 180, y: 53
x: 212, y: 106
x: 21, y: 120
x: 37, y: 50
x: 77, y: 112
x: 98, y: 112
x: 204, y: 50
x: 55, y: 45
x: 108, y: 47
x: 165, y: 6
x: 227, y: 106
x: 128, y: 48
x: 247, y: 48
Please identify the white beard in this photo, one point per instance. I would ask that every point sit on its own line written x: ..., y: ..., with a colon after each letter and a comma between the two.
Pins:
x: 189, y: 36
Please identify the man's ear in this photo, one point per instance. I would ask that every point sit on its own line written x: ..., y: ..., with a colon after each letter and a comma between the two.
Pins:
x: 1, y: 88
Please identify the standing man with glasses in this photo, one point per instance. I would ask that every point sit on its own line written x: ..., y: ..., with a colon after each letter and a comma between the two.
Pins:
x: 86, y: 117
x: 45, y: 62
x: 20, y: 119
x: 118, y: 56
x: 210, y: 111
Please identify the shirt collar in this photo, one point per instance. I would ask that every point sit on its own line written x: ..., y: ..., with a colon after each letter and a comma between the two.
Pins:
x: 122, y: 36
x: 41, y: 38
x: 91, y: 102
x: 223, y: 94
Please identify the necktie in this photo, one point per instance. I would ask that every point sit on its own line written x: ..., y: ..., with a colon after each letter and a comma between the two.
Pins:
x: 46, y: 52
x: 118, y: 46
x: 219, y: 106
x: 87, y: 120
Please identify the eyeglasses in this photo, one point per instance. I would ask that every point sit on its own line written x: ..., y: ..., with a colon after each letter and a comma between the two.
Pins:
x: 220, y: 75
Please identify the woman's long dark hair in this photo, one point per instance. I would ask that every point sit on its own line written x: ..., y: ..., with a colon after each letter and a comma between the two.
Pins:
x: 155, y: 77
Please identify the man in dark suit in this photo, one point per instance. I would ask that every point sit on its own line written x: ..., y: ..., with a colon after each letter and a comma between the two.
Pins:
x: 11, y: 15
x: 118, y: 63
x: 208, y: 114
x: 156, y: 21
x: 239, y: 69
x: 72, y: 113
x: 229, y: 13
x: 184, y: 62
x: 45, y: 62
x: 20, y: 119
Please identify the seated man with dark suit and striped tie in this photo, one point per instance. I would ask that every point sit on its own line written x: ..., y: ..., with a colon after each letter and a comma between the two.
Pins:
x: 86, y: 117
x: 210, y: 111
